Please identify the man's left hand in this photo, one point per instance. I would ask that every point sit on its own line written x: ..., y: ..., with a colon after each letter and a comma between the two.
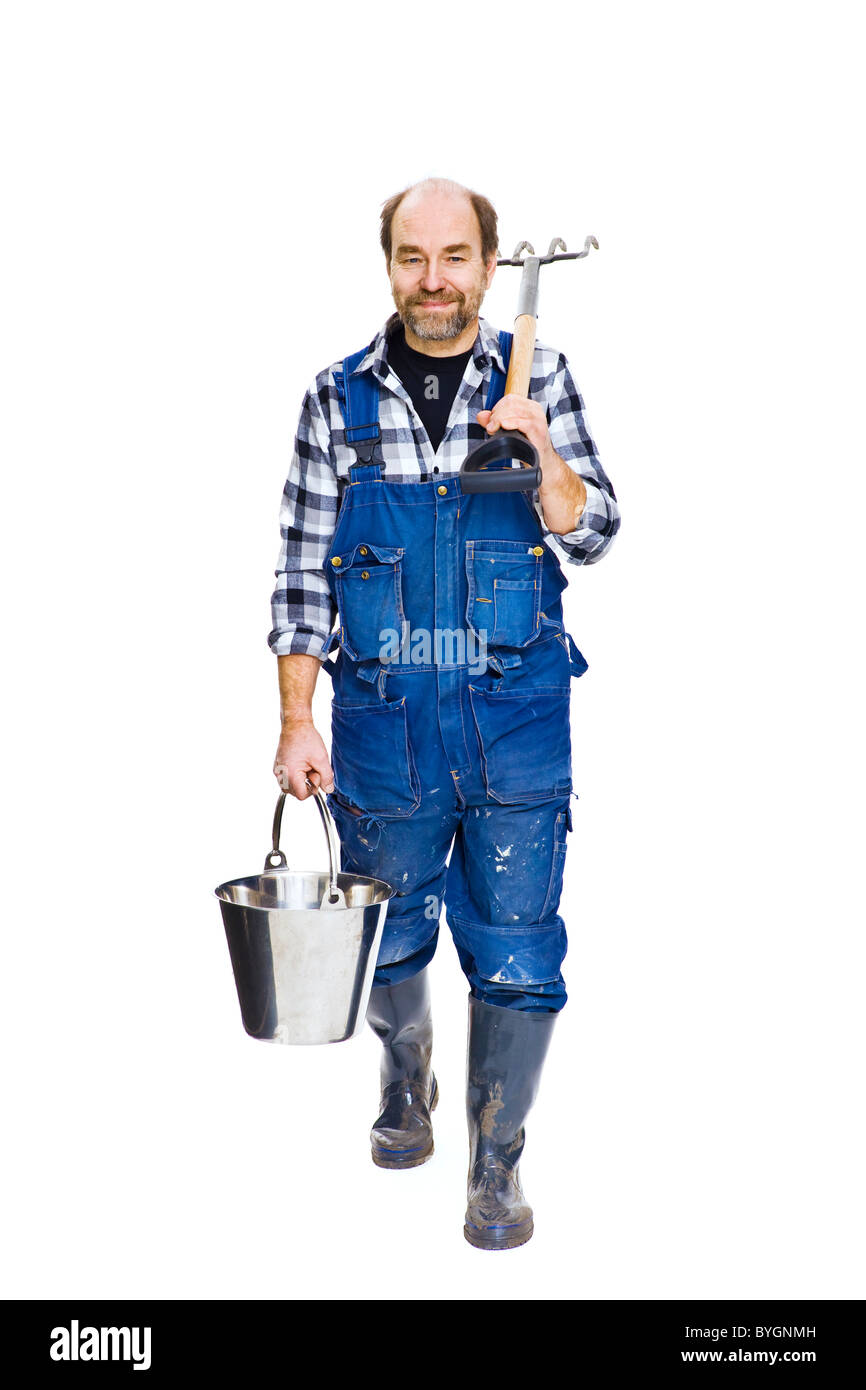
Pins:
x: 529, y: 417
x: 562, y: 493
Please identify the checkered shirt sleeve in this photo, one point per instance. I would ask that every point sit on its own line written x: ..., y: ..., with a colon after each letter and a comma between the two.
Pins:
x: 302, y: 610
x: 569, y: 433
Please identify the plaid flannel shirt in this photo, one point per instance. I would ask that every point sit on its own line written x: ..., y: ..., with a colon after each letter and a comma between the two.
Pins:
x: 303, y: 612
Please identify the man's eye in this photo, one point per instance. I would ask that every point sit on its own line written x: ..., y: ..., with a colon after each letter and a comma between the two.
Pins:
x: 456, y: 258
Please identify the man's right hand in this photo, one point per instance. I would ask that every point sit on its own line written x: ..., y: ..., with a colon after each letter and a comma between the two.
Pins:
x: 302, y: 754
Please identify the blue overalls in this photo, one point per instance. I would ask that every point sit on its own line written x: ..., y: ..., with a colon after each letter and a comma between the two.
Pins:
x: 450, y: 718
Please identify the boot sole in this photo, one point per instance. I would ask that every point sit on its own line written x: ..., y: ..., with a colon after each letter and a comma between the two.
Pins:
x: 383, y: 1158
x: 498, y: 1237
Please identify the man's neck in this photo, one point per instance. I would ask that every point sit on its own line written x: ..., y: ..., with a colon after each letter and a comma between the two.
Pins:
x: 443, y: 347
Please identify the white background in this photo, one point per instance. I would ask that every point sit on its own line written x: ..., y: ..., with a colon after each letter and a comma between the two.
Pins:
x: 191, y: 232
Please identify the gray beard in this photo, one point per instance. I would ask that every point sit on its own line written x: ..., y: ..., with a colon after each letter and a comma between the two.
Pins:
x: 433, y: 329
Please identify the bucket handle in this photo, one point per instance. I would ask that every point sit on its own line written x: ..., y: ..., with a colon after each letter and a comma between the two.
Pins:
x: 334, y: 896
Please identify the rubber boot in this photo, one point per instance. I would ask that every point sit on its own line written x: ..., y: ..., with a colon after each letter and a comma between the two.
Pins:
x: 399, y: 1015
x: 505, y: 1057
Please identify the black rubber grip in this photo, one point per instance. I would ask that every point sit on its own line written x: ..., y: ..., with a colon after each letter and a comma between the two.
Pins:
x: 477, y: 476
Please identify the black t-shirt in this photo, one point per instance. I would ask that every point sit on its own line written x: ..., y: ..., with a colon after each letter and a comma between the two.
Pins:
x: 431, y: 382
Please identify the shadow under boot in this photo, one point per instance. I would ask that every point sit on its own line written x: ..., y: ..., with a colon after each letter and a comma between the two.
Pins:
x: 505, y: 1057
x: 399, y: 1015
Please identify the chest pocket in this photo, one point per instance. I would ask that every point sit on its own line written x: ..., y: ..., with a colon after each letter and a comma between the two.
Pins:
x: 504, y: 603
x: 368, y: 592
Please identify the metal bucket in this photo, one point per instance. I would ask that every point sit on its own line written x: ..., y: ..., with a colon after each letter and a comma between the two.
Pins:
x: 303, y: 946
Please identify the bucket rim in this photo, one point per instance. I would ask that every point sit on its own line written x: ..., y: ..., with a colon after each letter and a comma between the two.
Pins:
x: 343, y: 880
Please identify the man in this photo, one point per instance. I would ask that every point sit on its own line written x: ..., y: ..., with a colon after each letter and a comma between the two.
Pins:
x: 450, y: 719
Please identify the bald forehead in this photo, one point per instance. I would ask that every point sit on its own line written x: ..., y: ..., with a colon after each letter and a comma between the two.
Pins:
x: 435, y: 221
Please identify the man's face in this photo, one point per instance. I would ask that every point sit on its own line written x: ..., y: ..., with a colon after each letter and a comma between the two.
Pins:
x: 438, y: 278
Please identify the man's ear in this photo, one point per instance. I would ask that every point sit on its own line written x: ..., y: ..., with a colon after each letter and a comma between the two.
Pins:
x: 490, y: 267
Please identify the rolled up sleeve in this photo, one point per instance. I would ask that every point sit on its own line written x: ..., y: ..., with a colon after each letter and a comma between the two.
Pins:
x: 302, y: 609
x: 569, y: 432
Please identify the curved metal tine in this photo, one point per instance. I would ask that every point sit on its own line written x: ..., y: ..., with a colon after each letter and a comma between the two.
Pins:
x: 568, y: 255
x: 516, y: 258
x: 590, y: 241
x: 557, y: 243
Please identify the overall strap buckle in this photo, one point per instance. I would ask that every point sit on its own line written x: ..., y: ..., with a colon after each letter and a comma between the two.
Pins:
x: 368, y: 436
x: 358, y: 398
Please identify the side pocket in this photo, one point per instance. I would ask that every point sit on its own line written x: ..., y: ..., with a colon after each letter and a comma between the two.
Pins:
x: 525, y: 742
x: 372, y: 758
x: 560, y: 845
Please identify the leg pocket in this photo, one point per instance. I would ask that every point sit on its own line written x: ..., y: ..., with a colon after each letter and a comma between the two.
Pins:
x: 372, y: 758
x: 525, y: 742
x: 554, y: 892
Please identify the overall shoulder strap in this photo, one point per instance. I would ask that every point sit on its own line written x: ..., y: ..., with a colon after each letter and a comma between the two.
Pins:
x: 358, y: 397
x: 497, y: 378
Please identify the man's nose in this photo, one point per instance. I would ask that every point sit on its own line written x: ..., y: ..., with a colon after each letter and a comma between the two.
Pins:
x: 433, y: 278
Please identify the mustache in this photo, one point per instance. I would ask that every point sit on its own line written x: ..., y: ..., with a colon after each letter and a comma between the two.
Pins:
x: 434, y: 299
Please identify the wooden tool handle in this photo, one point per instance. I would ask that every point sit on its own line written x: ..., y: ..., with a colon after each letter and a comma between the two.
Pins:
x: 522, y: 353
